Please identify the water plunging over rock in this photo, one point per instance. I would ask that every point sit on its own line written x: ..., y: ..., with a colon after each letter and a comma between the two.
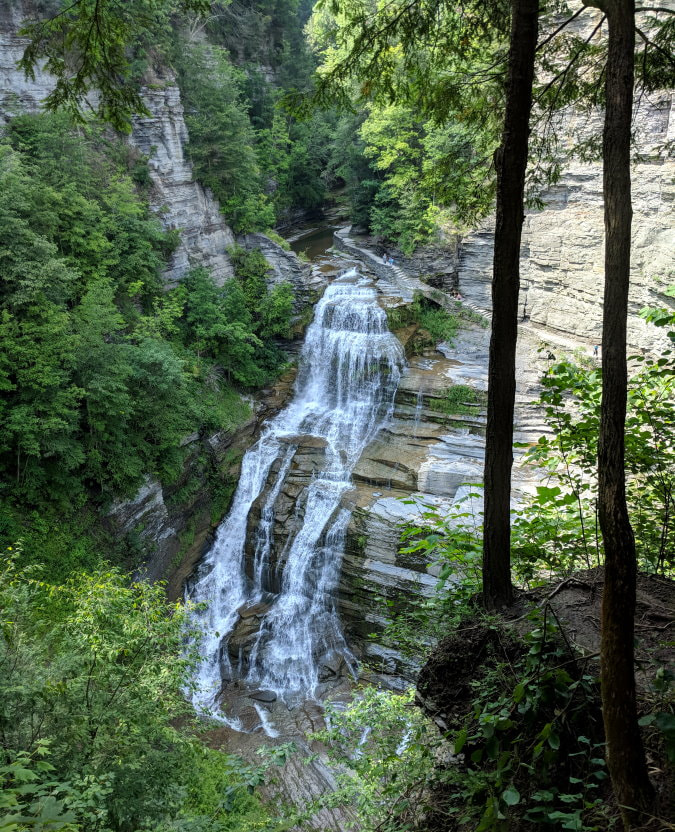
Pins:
x: 271, y: 615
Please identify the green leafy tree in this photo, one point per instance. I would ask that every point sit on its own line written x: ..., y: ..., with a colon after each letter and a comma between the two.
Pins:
x: 102, y: 373
x: 276, y: 310
x: 92, y: 687
x: 222, y: 141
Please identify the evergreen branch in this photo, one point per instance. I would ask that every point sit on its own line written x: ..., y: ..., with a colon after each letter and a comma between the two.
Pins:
x: 563, y: 74
x: 560, y: 28
x: 656, y: 46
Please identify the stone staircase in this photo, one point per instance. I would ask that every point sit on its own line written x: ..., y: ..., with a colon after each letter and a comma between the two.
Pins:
x: 391, y: 280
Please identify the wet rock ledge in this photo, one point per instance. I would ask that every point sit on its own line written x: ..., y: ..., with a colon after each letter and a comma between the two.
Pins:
x: 172, y: 526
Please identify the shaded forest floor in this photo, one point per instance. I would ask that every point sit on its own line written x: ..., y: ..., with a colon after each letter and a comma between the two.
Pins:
x: 474, y: 670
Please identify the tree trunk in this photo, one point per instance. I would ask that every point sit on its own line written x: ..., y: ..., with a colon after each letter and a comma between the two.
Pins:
x: 511, y: 161
x: 625, y: 754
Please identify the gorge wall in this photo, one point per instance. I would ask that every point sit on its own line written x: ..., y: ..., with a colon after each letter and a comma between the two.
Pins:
x: 562, y: 266
x: 180, y: 203
x: 432, y: 456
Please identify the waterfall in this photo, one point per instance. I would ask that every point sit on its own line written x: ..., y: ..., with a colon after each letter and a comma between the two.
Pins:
x: 348, y: 374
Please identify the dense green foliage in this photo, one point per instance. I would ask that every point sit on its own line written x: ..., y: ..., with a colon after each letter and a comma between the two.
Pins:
x: 400, y: 167
x: 93, y: 671
x: 102, y: 372
x: 235, y: 325
x: 523, y: 749
x: 262, y: 164
x: 440, y: 324
x: 558, y: 530
x: 427, y: 129
x: 222, y: 139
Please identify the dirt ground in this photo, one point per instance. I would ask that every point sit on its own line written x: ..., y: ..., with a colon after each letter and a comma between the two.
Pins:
x: 445, y: 691
x: 576, y: 602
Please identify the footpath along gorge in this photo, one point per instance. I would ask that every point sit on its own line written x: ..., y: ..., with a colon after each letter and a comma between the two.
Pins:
x: 299, y: 569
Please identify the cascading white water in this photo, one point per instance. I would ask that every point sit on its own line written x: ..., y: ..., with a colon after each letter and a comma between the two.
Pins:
x: 348, y: 375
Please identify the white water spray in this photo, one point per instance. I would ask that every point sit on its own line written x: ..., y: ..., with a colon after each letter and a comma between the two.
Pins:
x: 349, y: 371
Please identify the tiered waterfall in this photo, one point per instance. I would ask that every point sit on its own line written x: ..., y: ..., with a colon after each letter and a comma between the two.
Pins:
x: 348, y: 375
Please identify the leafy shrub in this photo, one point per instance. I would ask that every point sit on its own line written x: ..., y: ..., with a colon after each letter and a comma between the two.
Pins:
x: 92, y: 691
x: 438, y: 322
x: 521, y: 744
x: 460, y: 399
x: 559, y: 526
x: 222, y: 140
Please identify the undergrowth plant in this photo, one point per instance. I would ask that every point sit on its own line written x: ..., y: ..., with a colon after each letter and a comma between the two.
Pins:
x: 522, y: 750
x: 532, y: 746
x: 558, y: 528
x: 441, y: 324
x: 384, y: 753
x: 451, y: 545
x: 460, y: 399
x: 95, y: 731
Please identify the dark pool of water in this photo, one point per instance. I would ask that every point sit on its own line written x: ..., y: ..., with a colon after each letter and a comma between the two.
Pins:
x: 314, y: 243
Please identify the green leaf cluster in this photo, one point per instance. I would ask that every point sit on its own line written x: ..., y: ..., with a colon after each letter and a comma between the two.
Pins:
x: 95, y: 729
x: 558, y: 529
x: 260, y: 162
x: 102, y: 372
x: 426, y: 81
x: 383, y: 750
x: 222, y: 139
x: 460, y: 399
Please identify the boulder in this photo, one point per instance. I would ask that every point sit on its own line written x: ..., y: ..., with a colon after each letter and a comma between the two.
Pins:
x: 243, y: 637
x: 263, y: 695
x: 304, y: 440
x: 258, y: 610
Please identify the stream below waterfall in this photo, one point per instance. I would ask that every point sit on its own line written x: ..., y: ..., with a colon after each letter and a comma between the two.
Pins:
x: 348, y: 374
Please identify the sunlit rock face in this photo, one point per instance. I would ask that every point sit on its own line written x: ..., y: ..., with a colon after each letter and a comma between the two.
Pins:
x: 180, y: 202
x: 562, y: 254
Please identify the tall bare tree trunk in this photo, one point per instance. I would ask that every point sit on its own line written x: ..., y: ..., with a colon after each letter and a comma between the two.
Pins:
x: 511, y: 160
x: 625, y: 754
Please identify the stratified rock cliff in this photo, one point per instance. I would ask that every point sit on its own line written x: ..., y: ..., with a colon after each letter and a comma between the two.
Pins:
x: 178, y: 200
x: 562, y: 260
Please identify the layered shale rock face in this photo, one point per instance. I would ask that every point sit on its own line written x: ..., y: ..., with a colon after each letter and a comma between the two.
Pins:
x: 436, y: 458
x: 562, y: 255
x: 180, y: 203
x: 17, y: 93
x: 424, y: 458
x: 286, y: 267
